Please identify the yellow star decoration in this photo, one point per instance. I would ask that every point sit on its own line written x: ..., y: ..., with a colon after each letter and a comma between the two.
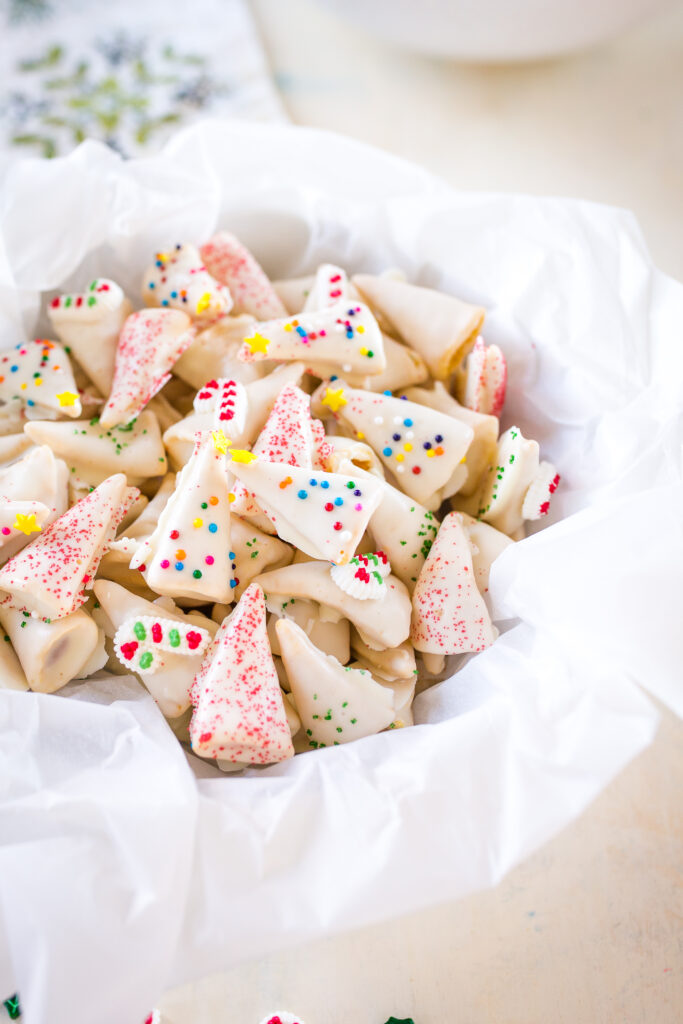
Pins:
x: 334, y: 400
x: 220, y: 442
x: 204, y: 302
x: 27, y: 523
x: 257, y: 343
x: 240, y: 455
x: 67, y: 398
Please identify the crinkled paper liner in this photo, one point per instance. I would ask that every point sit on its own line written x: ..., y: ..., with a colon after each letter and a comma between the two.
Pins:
x: 121, y: 869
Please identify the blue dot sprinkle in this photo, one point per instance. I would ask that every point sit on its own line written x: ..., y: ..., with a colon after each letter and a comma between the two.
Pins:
x: 407, y: 422
x: 387, y: 393
x: 438, y: 438
x: 338, y: 501
x: 427, y: 445
x: 151, y: 284
x: 232, y: 556
x: 174, y: 295
x: 302, y: 494
x: 325, y: 484
x: 386, y: 451
x: 313, y: 482
x: 334, y: 377
x: 233, y: 584
x: 14, y: 369
x: 179, y: 566
x: 396, y: 437
x: 30, y: 402
x: 212, y: 527
x: 164, y: 302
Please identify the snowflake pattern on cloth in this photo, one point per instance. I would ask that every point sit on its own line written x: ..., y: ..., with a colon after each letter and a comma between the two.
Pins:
x: 127, y: 74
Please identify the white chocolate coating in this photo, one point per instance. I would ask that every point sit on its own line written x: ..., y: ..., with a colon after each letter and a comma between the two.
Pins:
x: 90, y: 324
x: 335, y: 704
x: 39, y: 374
x: 178, y: 279
x: 51, y: 653
x: 439, y: 327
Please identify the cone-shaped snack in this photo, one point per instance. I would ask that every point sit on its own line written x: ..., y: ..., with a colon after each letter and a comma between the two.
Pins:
x: 235, y: 266
x: 188, y: 555
x: 213, y: 353
x: 150, y: 343
x: 505, y: 485
x: 439, y: 327
x: 481, y: 382
x: 482, y: 452
x: 94, y: 453
x: 12, y: 446
x: 423, y: 447
x: 20, y: 521
x: 287, y: 437
x: 345, y: 336
x: 255, y: 552
x: 486, y: 543
x: 239, y: 714
x: 49, y: 577
x: 39, y: 374
x: 226, y: 400
x: 404, y: 368
x: 330, y: 286
x: 261, y: 397
x: 404, y: 530
x: 449, y: 613
x: 51, y: 653
x: 12, y: 675
x: 345, y: 455
x: 392, y: 664
x: 115, y: 565
x: 323, y: 514
x: 541, y: 489
x: 90, y: 324
x: 179, y: 279
x: 170, y: 686
x: 38, y: 476
x: 336, y: 704
x: 383, y: 623
x: 330, y: 634
x: 293, y: 292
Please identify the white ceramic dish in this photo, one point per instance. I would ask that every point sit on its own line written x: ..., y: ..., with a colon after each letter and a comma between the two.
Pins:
x: 494, y: 30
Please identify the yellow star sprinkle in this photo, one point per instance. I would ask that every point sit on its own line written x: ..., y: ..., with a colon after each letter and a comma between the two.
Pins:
x: 220, y: 442
x: 257, y: 343
x: 334, y: 400
x: 27, y: 523
x: 240, y: 455
x: 204, y: 302
x: 67, y: 398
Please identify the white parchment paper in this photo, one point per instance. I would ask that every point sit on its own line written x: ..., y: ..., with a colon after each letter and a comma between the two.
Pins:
x: 125, y: 866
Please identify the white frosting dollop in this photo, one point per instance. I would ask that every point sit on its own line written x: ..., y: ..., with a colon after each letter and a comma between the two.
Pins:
x: 363, y: 577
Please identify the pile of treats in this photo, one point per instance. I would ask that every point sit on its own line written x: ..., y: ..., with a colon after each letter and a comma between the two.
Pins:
x: 275, y: 504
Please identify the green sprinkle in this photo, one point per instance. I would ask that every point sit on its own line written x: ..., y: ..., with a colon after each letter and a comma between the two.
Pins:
x: 339, y: 729
x: 146, y: 659
x: 174, y: 638
x: 353, y: 721
x: 197, y: 574
x: 345, y: 704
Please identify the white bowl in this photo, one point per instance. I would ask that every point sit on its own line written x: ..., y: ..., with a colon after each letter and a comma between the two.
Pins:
x: 494, y: 30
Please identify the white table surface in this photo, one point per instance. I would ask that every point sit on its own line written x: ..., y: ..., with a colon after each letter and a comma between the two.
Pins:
x: 588, y: 930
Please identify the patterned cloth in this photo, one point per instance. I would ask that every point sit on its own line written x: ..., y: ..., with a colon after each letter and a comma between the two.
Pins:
x: 127, y: 73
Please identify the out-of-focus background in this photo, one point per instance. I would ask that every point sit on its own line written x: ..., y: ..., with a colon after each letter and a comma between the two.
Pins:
x: 588, y: 930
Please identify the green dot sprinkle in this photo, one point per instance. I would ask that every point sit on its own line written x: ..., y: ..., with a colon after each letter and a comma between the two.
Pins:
x: 140, y: 631
x: 197, y: 574
x: 174, y: 638
x: 146, y: 659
